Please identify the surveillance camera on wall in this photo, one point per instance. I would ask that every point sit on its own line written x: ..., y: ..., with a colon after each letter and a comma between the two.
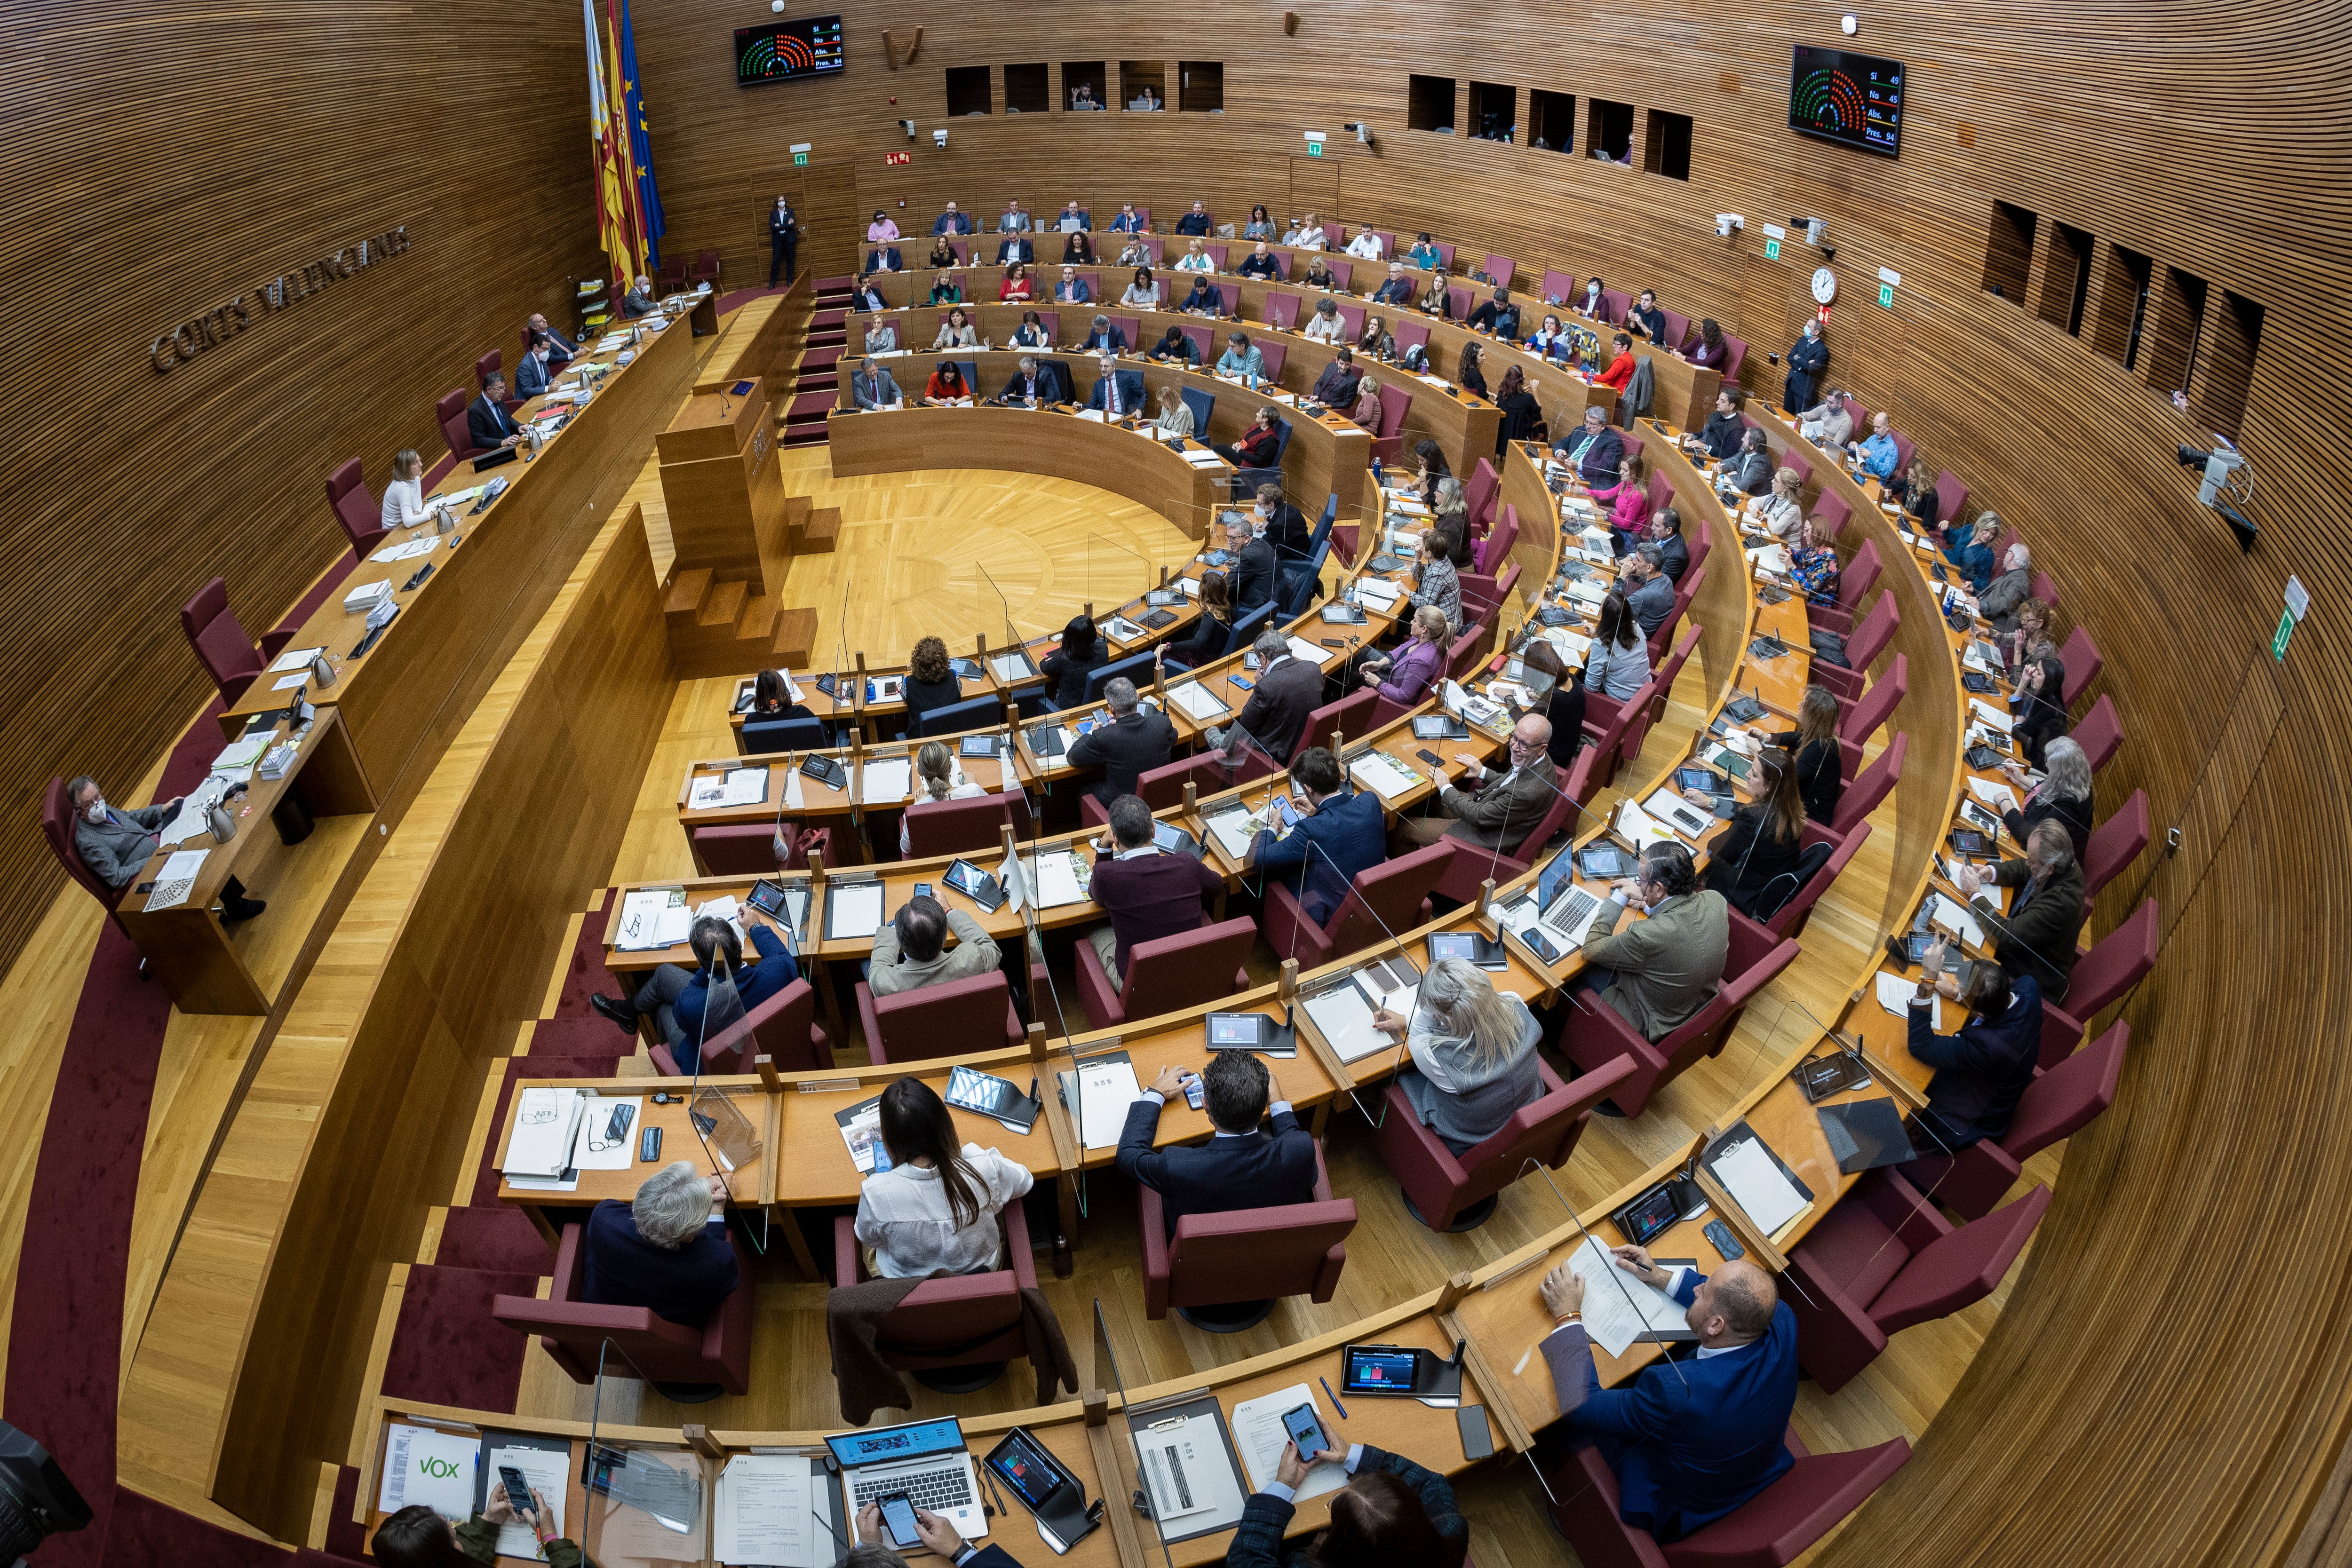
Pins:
x: 939, y: 139
x: 1363, y: 131
x: 1725, y: 223
x: 1817, y: 233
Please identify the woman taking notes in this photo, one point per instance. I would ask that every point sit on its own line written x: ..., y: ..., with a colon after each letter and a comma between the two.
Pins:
x: 936, y: 1206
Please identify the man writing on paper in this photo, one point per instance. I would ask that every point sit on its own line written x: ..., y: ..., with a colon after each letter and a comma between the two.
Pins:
x: 1660, y: 972
x: 1241, y: 1166
x: 1495, y: 812
x: 1984, y: 1070
x: 115, y: 845
x: 1691, y: 1439
x: 675, y: 995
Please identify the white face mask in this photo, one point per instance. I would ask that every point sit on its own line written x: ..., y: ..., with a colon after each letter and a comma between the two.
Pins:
x: 97, y: 812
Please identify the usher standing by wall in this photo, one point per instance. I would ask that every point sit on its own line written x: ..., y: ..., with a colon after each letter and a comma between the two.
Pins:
x: 783, y: 241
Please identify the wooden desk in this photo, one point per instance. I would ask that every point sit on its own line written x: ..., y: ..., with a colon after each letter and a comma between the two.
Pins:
x: 208, y: 967
x: 1048, y: 441
x: 750, y: 1185
x: 762, y: 347
x: 409, y: 693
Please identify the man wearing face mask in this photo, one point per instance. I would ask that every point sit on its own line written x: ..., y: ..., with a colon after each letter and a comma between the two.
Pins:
x: 1280, y: 524
x: 1690, y: 1440
x: 1660, y: 972
x: 116, y: 844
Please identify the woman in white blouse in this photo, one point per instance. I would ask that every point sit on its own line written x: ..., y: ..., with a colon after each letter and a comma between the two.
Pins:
x: 1195, y: 259
x: 404, y: 498
x: 1779, y: 509
x: 1143, y: 294
x: 937, y: 777
x: 936, y: 1206
x: 1175, y: 419
x: 956, y: 332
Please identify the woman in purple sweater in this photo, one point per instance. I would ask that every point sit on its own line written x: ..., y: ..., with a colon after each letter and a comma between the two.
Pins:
x: 1403, y: 673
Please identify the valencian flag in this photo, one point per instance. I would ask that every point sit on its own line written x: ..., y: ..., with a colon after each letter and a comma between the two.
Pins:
x: 631, y: 105
x: 616, y: 213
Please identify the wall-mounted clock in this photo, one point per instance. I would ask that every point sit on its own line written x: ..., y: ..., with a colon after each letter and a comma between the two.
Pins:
x: 1824, y: 285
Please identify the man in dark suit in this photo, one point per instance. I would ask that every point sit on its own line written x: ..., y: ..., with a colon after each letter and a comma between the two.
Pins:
x: 869, y: 297
x: 1015, y: 247
x: 1281, y: 525
x: 1274, y: 720
x: 1649, y: 593
x: 1595, y: 450
x: 1072, y: 289
x: 532, y: 372
x: 1397, y: 289
x: 1074, y: 216
x: 488, y: 425
x: 1205, y: 298
x: 1255, y: 570
x: 1128, y: 222
x: 1985, y: 1068
x: 1260, y: 263
x: 1104, y: 338
x: 639, y: 300
x: 562, y: 351
x: 1031, y: 384
x: 2036, y: 938
x: 952, y: 221
x: 1195, y: 222
x: 873, y: 387
x: 665, y: 1250
x: 1808, y: 358
x: 884, y: 258
x: 1342, y: 834
x: 1135, y: 739
x: 1748, y: 470
x: 1118, y: 393
x: 1335, y: 388
x: 1241, y: 1167
x: 1667, y: 533
x: 1693, y: 1438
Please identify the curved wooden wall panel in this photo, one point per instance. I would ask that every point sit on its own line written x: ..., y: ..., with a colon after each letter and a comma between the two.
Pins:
x: 137, y: 198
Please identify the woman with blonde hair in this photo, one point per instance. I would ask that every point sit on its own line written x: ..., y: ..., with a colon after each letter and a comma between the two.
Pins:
x: 937, y: 777
x: 1780, y: 508
x: 1175, y: 419
x: 1437, y: 299
x: 1473, y: 1054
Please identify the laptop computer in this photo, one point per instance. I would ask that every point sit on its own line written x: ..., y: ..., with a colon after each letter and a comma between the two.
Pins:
x: 924, y: 1460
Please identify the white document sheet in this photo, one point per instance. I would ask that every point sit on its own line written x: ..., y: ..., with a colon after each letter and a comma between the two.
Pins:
x: 1197, y: 701
x: 1378, y: 593
x: 1747, y: 1173
x: 1951, y: 915
x: 1188, y: 1475
x: 296, y: 658
x: 1895, y: 994
x: 1345, y: 1016
x: 736, y: 786
x: 1383, y: 775
x: 1105, y: 1088
x: 647, y: 919
x: 288, y: 683
x: 1203, y: 459
x: 1992, y: 718
x: 761, y: 1512
x: 178, y: 876
x: 424, y: 1465
x: 546, y: 1120
x: 1055, y: 876
x: 1638, y: 826
x: 598, y: 1116
x: 1259, y: 1437
x: 855, y: 911
x: 1999, y: 797
x: 1232, y: 830
x: 1312, y: 652
x: 545, y: 1471
x: 887, y: 778
x: 793, y: 796
x: 1618, y: 1308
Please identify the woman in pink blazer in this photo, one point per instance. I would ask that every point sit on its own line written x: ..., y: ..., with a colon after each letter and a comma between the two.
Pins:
x: 1628, y: 500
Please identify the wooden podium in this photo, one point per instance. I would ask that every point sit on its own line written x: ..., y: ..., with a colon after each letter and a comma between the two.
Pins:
x: 725, y: 489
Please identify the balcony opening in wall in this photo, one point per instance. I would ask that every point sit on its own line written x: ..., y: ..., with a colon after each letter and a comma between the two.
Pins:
x: 1200, y: 86
x: 2224, y: 375
x: 2123, y: 306
x: 1428, y: 104
x: 1666, y: 148
x: 1087, y: 74
x: 1552, y: 120
x: 2009, y: 252
x: 2174, y: 329
x: 967, y: 90
x: 1138, y: 78
x: 1494, y: 112
x: 2066, y: 281
x: 1026, y: 90
x: 1609, y: 130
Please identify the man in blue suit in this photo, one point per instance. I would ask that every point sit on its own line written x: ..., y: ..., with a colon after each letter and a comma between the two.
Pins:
x: 676, y: 996
x: 1119, y: 394
x: 1015, y: 247
x: 1073, y: 289
x: 1103, y: 338
x: 1241, y: 1167
x: 1983, y: 1071
x: 952, y: 221
x: 1693, y: 1438
x: 1595, y: 450
x: 1342, y: 835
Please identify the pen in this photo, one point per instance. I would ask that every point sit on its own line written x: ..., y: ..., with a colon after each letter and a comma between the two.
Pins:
x: 1333, y: 1398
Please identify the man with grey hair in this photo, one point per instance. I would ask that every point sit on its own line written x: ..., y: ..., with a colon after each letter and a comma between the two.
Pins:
x: 937, y: 1534
x: 1274, y: 720
x: 1135, y: 739
x: 2036, y: 938
x: 666, y: 1250
x: 1029, y: 387
x: 1998, y: 603
x: 1648, y: 591
x: 873, y: 388
x: 1117, y: 393
x: 565, y: 349
x: 639, y: 300
x: 1103, y: 338
x: 1254, y: 575
x: 1495, y: 811
x: 116, y: 843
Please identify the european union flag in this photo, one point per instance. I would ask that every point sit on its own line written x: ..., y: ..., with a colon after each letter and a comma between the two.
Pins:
x: 641, y: 145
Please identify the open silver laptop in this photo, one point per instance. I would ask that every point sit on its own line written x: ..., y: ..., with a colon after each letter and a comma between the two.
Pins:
x: 924, y: 1460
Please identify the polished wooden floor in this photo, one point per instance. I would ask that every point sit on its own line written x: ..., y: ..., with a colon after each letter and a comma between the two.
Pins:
x: 959, y: 554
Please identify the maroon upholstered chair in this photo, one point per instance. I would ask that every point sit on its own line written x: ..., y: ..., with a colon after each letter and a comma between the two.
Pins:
x: 1450, y: 1192
x: 1473, y: 867
x: 2100, y: 734
x: 1482, y: 595
x: 939, y: 1020
x: 1904, y: 450
x: 1463, y: 654
x: 1408, y: 335
x: 783, y: 1028
x: 2080, y: 658
x: 1869, y: 639
x: 1774, y: 1527
x: 449, y: 410
x: 1169, y: 973
x: 1203, y: 340
x: 1351, y: 320
x: 1162, y: 787
x: 1281, y: 311
x: 2119, y: 961
x: 1617, y: 728
x: 1859, y: 577
x: 1831, y: 514
x: 228, y: 654
x: 1870, y: 786
x: 961, y: 827
x: 1873, y: 707
x: 706, y: 265
x: 1790, y: 919
x: 2045, y: 589
x: 954, y: 1334
x: 2115, y: 844
x: 1478, y: 495
x: 57, y: 829
x: 1274, y: 354
x: 730, y: 849
x: 1352, y: 715
x: 2056, y: 1105
x: 1596, y: 1034
x: 1951, y: 497
x: 1245, y: 1260
x: 1735, y: 358
x: 1614, y: 303
x: 1678, y: 330
x: 1490, y: 553
x: 1884, y: 1259
x: 1459, y: 298
x: 488, y: 366
x: 1392, y: 896
x: 361, y: 518
x: 687, y: 1365
x: 1499, y: 268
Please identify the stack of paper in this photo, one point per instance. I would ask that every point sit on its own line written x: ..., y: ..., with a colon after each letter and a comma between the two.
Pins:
x: 1999, y: 797
x: 1985, y: 714
x: 425, y: 1465
x: 1383, y: 775
x: 1378, y: 592
x: 545, y: 1471
x: 1105, y: 1088
x: 1232, y: 830
x: 177, y: 878
x: 367, y: 596
x: 736, y: 786
x: 761, y: 1512
x: 887, y: 778
x: 1639, y: 828
x: 236, y: 756
x: 546, y: 1123
x: 1198, y: 701
x: 294, y: 659
x: 1895, y: 994
x: 1618, y: 1308
x: 1756, y: 1183
x: 652, y: 918
x: 1204, y: 458
x: 1259, y: 1436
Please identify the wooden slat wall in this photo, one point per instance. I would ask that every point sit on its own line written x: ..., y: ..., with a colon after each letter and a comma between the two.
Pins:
x: 144, y: 186
x: 2145, y: 1397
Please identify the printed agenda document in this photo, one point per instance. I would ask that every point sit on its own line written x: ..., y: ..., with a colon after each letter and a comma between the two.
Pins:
x: 761, y: 1513
x: 1259, y: 1437
x: 425, y: 1465
x: 546, y: 1472
x: 1895, y: 994
x: 1618, y: 1308
x: 1756, y: 1184
x: 1105, y: 1088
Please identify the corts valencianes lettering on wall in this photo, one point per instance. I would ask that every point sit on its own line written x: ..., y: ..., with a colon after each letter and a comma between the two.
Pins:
x: 232, y: 316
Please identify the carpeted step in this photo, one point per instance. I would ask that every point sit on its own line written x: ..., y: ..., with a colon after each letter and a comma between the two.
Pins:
x: 806, y: 406
x: 346, y: 1537
x: 824, y: 359
x: 825, y: 320
x: 592, y: 1034
x: 447, y: 1349
x: 501, y: 1240
x: 586, y: 974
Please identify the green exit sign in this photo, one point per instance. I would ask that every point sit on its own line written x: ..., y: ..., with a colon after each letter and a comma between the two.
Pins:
x: 1314, y: 149
x: 1887, y: 295
x: 2279, y: 638
x: 1771, y: 250
x: 800, y: 160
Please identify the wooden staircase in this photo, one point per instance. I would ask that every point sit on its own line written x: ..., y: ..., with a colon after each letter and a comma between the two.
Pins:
x: 817, y: 386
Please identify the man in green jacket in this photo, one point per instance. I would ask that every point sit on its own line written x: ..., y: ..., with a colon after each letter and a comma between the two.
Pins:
x: 1661, y: 970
